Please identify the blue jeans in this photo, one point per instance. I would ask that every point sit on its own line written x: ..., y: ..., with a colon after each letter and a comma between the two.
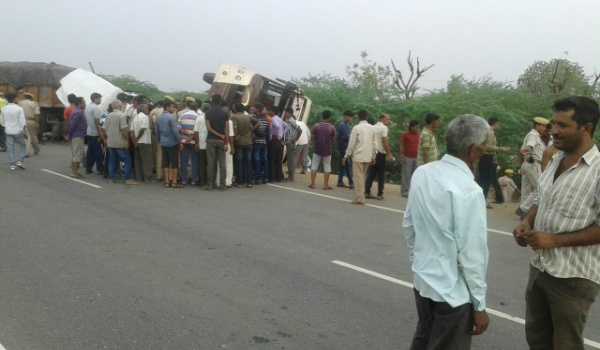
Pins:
x: 189, y: 150
x: 345, y: 169
x: 10, y: 147
x: 243, y: 157
x: 259, y: 153
x: 2, y: 137
x: 112, y: 162
x: 94, y: 154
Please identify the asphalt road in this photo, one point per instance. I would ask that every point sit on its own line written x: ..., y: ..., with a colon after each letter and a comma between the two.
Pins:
x: 273, y: 267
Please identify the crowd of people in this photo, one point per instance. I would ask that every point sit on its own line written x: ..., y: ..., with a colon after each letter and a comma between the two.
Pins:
x: 445, y: 223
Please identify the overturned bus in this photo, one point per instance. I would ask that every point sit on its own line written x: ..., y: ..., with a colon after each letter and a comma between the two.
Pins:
x: 238, y: 84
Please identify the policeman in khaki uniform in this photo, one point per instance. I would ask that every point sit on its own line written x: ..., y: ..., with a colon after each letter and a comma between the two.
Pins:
x: 32, y: 117
x: 531, y: 169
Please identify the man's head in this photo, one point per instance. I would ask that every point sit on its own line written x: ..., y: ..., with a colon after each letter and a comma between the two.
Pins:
x: 28, y: 96
x: 384, y: 119
x: 10, y: 97
x: 72, y: 98
x: 80, y: 103
x: 273, y: 110
x: 121, y: 97
x: 508, y: 172
x: 494, y: 123
x: 258, y: 107
x: 466, y: 138
x: 288, y: 113
x: 143, y: 108
x: 159, y: 104
x: 170, y: 106
x: 136, y: 101
x: 193, y: 106
x: 96, y: 98
x: 413, y: 126
x: 432, y: 121
x: 116, y: 104
x: 363, y: 115
x: 539, y: 124
x: 348, y: 115
x: 216, y: 100
x: 574, y: 122
x: 326, y: 115
x: 189, y: 100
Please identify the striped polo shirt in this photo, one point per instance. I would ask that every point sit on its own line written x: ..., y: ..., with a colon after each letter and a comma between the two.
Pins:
x: 187, y: 121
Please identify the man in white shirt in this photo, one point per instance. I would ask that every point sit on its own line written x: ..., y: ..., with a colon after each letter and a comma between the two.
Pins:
x: 302, y: 146
x: 13, y: 121
x: 361, y: 147
x: 383, y: 152
x: 200, y: 134
x: 446, y: 232
x: 142, y: 140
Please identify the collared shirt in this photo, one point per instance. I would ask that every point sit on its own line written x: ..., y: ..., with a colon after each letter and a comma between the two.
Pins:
x: 13, y: 119
x: 278, y: 128
x: 30, y: 108
x: 492, y: 143
x: 166, y: 130
x: 200, y: 128
x: 139, y: 122
x: 92, y: 112
x: 77, y: 124
x: 427, y: 140
x: 534, y: 140
x: 446, y: 232
x: 569, y: 203
x: 303, y: 140
x: 505, y: 181
x: 380, y: 131
x: 410, y: 141
x: 324, y: 134
x: 187, y: 121
x: 343, y: 132
x: 114, y: 124
x: 361, y: 146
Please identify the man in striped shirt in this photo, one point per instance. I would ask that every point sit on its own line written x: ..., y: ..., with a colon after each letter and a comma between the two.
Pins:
x: 563, y: 229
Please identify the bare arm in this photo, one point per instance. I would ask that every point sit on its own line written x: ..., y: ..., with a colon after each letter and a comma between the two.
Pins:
x: 386, y: 147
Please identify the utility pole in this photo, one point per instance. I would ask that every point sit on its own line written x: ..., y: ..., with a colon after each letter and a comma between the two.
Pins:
x: 92, y: 67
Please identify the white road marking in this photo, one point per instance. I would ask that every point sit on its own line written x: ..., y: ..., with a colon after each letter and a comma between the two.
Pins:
x: 72, y: 179
x: 410, y: 285
x: 368, y: 205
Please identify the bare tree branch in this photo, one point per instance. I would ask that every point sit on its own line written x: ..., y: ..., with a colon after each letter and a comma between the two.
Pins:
x: 409, y: 87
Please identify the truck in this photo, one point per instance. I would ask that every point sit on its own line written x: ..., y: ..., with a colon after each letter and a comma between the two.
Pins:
x: 237, y: 84
x: 41, y: 80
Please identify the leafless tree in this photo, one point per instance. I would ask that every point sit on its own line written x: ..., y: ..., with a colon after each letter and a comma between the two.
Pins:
x: 409, y: 87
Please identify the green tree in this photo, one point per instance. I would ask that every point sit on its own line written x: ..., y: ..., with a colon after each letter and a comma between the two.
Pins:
x: 559, y: 77
x: 374, y: 81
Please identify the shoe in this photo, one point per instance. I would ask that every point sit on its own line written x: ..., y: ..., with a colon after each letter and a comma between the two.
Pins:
x: 193, y: 183
x: 223, y: 188
x: 238, y: 186
x: 303, y: 172
x: 379, y: 198
x: 2, y: 149
x: 249, y: 186
x: 78, y: 176
x: 89, y: 172
x: 358, y: 202
x: 351, y: 186
x: 207, y: 188
x: 405, y: 195
x: 265, y: 182
x: 131, y: 182
x: 369, y: 196
x: 489, y: 206
x: 20, y: 165
x: 341, y: 184
x: 12, y: 167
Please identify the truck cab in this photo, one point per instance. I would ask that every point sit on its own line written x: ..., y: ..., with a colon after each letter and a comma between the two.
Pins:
x: 239, y: 84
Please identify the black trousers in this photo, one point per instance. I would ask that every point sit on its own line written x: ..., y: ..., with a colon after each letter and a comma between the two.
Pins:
x: 275, y: 161
x: 441, y: 326
x: 376, y: 170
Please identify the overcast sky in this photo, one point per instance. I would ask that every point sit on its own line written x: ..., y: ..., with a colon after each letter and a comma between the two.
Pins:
x: 172, y: 43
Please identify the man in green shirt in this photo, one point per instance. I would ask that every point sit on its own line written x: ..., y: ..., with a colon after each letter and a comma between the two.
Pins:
x: 428, y: 150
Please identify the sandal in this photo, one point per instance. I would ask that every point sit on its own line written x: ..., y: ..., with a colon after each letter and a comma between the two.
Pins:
x: 327, y: 188
x: 311, y: 186
x: 167, y: 185
x: 176, y: 185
